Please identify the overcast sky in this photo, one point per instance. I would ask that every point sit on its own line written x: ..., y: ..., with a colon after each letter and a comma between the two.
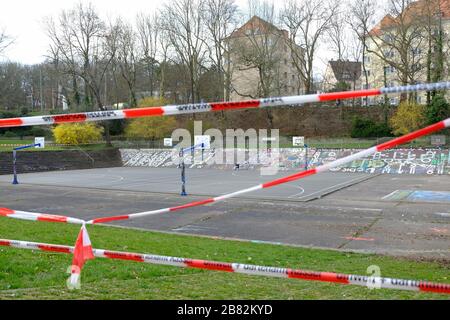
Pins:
x: 23, y: 19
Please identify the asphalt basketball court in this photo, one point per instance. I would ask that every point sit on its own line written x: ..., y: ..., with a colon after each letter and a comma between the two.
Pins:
x: 392, y: 214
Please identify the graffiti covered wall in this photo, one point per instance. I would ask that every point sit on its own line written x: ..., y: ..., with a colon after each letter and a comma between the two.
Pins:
x: 396, y: 161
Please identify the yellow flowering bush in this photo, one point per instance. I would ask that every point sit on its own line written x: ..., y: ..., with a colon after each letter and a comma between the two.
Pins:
x: 77, y: 133
x: 407, y: 118
x: 151, y: 128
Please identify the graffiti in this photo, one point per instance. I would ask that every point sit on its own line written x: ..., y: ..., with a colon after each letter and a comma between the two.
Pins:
x: 396, y: 161
x: 402, y: 161
x: 419, y: 195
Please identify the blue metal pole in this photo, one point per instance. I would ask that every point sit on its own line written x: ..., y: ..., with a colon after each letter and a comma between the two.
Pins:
x: 27, y: 146
x: 203, y: 149
x: 183, y: 175
x: 306, y: 157
x: 15, y: 181
x: 183, y: 166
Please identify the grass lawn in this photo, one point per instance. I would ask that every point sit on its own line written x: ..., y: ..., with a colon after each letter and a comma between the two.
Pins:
x: 13, y: 142
x: 28, y: 274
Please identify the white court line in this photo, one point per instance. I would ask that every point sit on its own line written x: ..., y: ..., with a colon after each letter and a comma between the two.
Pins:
x: 390, y: 194
x: 366, y: 209
x: 334, y: 186
x: 298, y: 194
x: 443, y: 214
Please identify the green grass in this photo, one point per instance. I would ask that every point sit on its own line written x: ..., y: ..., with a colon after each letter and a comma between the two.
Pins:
x: 16, y: 141
x: 356, y: 143
x: 12, y: 142
x: 28, y: 274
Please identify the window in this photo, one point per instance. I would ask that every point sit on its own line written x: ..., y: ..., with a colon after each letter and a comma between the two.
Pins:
x: 389, y: 70
x: 285, y: 75
x: 388, y: 38
x: 416, y: 67
x: 416, y: 51
x: 389, y: 54
x: 393, y: 101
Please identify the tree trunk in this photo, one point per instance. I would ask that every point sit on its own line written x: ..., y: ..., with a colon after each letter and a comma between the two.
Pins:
x: 105, y: 124
x: 269, y: 118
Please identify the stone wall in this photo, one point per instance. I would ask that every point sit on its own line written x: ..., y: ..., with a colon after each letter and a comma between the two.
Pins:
x: 37, y: 161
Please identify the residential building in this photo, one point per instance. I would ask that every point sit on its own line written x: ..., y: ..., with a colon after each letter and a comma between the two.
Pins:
x: 342, y: 75
x: 398, y: 48
x: 261, y: 61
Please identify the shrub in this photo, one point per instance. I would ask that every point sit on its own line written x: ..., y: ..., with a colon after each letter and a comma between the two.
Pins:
x: 438, y: 110
x: 152, y: 102
x: 10, y: 134
x: 9, y: 114
x: 77, y: 133
x: 367, y: 128
x: 341, y: 86
x: 117, y: 127
x: 38, y: 132
x: 407, y: 118
x: 23, y: 111
x: 152, y: 128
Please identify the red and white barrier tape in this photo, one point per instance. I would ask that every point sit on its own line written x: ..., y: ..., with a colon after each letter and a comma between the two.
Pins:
x: 23, y: 215
x: 349, y: 279
x: 212, y: 107
x: 387, y: 145
x: 81, y: 253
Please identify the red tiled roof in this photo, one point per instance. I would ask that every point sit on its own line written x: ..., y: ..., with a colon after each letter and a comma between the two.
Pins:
x: 256, y: 23
x: 412, y: 11
x: 346, y: 70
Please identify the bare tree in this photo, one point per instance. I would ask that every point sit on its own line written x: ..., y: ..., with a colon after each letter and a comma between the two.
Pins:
x: 337, y: 34
x: 148, y: 28
x: 54, y: 56
x: 126, y: 56
x: 361, y: 15
x: 220, y: 19
x: 436, y: 38
x: 165, y: 46
x: 183, y: 23
x: 307, y: 22
x: 54, y: 71
x: 5, y: 40
x: 398, y: 41
x: 86, y: 47
x: 258, y: 49
x: 12, y: 80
